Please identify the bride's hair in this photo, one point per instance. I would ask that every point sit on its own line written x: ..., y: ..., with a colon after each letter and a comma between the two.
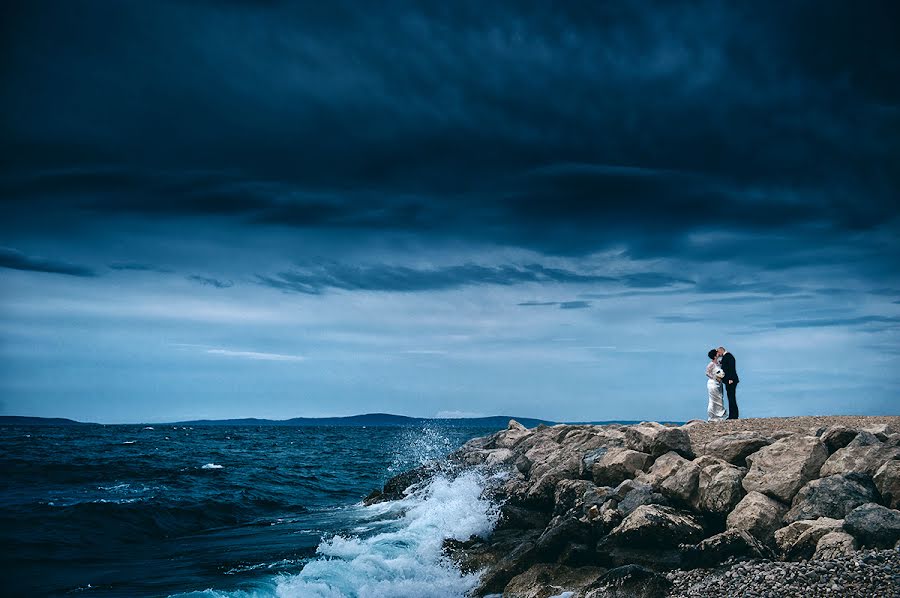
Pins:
x: 712, y: 353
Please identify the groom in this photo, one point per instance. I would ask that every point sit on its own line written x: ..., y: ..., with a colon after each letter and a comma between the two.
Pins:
x: 731, y: 381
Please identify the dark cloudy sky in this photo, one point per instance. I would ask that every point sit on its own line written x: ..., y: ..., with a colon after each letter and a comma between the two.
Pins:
x: 277, y: 209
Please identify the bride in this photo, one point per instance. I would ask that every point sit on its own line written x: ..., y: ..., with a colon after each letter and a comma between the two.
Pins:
x: 716, y: 409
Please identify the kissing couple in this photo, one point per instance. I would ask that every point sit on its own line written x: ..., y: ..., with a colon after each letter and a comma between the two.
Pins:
x: 721, y: 370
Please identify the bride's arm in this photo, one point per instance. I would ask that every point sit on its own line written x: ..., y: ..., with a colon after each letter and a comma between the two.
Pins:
x: 710, y: 371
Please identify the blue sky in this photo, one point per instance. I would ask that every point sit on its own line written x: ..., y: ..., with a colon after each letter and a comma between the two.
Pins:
x: 279, y: 210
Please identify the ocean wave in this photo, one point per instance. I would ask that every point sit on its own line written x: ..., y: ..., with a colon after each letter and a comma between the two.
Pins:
x: 406, y: 559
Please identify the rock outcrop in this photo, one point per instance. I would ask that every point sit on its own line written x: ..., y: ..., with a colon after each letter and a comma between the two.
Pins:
x: 602, y: 510
x: 782, y: 468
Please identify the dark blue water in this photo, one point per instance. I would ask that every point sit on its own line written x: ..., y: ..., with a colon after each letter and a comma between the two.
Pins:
x: 130, y: 511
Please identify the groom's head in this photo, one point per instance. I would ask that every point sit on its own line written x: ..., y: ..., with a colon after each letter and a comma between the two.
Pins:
x: 721, y: 351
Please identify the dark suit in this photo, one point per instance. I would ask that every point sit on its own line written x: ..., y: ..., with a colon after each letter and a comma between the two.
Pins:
x: 730, y: 369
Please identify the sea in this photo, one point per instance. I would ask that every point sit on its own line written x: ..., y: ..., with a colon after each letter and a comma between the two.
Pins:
x: 163, y: 510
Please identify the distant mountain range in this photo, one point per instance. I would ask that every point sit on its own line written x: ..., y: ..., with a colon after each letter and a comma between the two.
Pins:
x: 369, y: 419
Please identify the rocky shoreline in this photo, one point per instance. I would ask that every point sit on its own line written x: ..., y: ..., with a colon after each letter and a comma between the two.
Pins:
x: 756, y: 507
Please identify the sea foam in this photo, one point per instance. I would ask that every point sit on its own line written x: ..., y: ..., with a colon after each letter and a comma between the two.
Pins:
x: 404, y: 558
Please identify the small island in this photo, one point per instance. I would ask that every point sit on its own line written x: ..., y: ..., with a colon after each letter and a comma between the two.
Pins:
x: 797, y: 506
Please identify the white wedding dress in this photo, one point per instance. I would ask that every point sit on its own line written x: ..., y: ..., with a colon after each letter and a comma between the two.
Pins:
x: 715, y: 411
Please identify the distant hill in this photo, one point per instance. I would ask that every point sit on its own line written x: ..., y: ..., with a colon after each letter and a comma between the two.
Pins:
x: 370, y: 419
x: 373, y: 419
x: 25, y: 420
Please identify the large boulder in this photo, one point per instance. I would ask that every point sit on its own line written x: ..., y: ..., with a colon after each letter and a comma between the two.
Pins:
x: 640, y: 494
x: 545, y: 580
x: 887, y: 480
x: 630, y: 581
x: 837, y: 437
x: 617, y: 465
x: 865, y: 454
x: 834, y: 545
x: 513, y: 517
x: 799, y: 539
x: 675, y: 477
x: 511, y: 436
x: 650, y: 526
x: 782, y: 468
x: 732, y: 543
x: 834, y: 496
x: 553, y: 454
x: 758, y: 514
x: 559, y: 533
x: 656, y: 439
x: 735, y: 448
x: 719, y: 487
x: 874, y: 525
x: 569, y: 495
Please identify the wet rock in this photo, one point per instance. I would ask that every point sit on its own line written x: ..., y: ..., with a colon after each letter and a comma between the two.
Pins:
x: 758, y: 514
x: 719, y: 487
x: 732, y: 543
x: 834, y: 545
x: 513, y: 517
x: 833, y: 496
x: 735, y: 448
x: 617, y: 465
x: 874, y: 525
x: 545, y: 580
x: 887, y: 480
x: 629, y: 581
x: 656, y: 526
x: 865, y: 454
x: 655, y: 439
x: 799, y: 539
x: 782, y: 468
x: 501, y: 572
x: 395, y: 488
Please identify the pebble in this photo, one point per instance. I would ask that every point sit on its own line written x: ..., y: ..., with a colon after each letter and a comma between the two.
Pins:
x: 864, y: 574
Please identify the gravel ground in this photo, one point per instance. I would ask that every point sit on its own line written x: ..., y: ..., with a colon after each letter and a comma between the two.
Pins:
x: 867, y: 573
x: 702, y: 432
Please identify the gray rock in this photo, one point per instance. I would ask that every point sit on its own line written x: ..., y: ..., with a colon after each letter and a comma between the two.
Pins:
x: 720, y: 547
x: 837, y: 437
x: 640, y: 494
x: 545, y: 580
x: 630, y: 581
x: 513, y: 517
x: 865, y: 454
x: 834, y: 545
x: 758, y: 514
x: 782, y: 468
x: 881, y: 431
x: 887, y: 480
x: 656, y: 526
x: 735, y: 448
x: 617, y: 465
x: 569, y: 495
x: 719, y: 487
x: 834, y: 496
x: 656, y: 439
x: 675, y: 477
x: 799, y: 539
x: 560, y: 532
x: 874, y: 525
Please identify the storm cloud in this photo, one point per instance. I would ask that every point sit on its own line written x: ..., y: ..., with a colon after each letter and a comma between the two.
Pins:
x: 348, y: 182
